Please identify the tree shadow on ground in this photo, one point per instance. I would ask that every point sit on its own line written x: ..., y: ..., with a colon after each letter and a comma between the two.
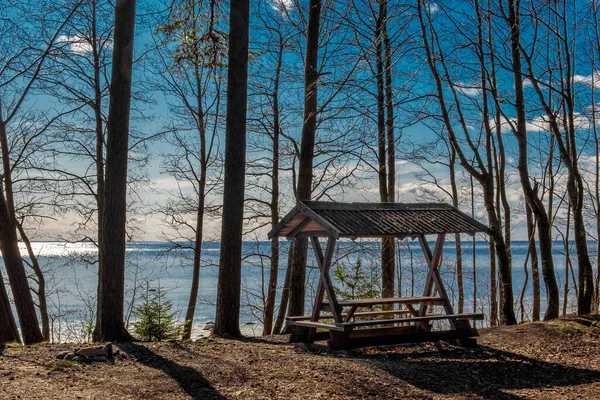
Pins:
x: 483, y: 371
x: 189, y: 379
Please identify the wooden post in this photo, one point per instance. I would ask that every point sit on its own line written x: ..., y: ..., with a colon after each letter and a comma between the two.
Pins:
x: 324, y: 286
x: 434, y: 262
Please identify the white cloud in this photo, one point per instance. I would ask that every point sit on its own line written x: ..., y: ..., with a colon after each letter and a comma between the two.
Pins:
x: 78, y: 44
x: 588, y: 80
x: 282, y: 6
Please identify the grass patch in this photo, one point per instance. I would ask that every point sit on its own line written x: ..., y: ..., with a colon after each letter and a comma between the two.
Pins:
x: 62, y: 365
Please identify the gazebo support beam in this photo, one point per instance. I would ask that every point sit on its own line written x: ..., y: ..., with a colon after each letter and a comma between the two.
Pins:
x: 434, y: 262
x: 325, y: 285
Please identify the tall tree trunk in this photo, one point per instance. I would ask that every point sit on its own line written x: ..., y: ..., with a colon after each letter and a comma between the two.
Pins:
x: 305, y: 170
x: 191, y: 309
x: 274, y: 205
x: 474, y: 253
x: 199, y: 234
x: 385, y: 180
x: 285, y: 293
x: 8, y: 326
x: 535, y: 270
x: 17, y: 277
x: 230, y: 263
x: 99, y: 132
x: 41, y: 282
x: 476, y: 168
x: 9, y: 246
x: 533, y: 201
x: 389, y: 267
x: 110, y: 326
x: 457, y: 240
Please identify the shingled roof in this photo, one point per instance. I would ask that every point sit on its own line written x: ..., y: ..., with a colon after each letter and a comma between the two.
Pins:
x: 318, y: 218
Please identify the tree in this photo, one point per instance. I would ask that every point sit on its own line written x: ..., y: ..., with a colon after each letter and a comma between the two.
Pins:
x: 111, y: 273
x: 230, y: 260
x: 24, y: 65
x: 307, y: 153
x: 481, y: 170
x: 8, y: 326
x: 191, y: 53
x: 563, y: 126
x: 533, y: 201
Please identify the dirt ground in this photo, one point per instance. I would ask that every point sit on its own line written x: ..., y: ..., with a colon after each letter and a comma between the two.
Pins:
x: 536, y: 360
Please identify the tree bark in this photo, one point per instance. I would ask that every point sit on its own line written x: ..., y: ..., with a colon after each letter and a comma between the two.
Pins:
x: 535, y: 269
x: 11, y: 255
x: 457, y: 240
x: 476, y: 168
x: 307, y: 151
x: 17, y: 277
x: 274, y: 205
x: 533, y: 201
x: 8, y: 326
x: 41, y: 282
x: 384, y: 136
x: 110, y: 325
x: 285, y: 294
x: 230, y: 263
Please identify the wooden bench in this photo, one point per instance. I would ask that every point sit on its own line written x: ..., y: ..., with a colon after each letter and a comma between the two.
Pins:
x: 349, y: 326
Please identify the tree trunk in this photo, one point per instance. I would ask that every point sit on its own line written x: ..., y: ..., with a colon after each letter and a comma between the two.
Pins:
x: 305, y: 170
x: 544, y: 232
x: 41, y: 282
x: 191, y: 309
x: 274, y: 270
x: 8, y: 326
x: 110, y: 326
x: 9, y: 246
x: 457, y: 241
x: 285, y: 294
x: 99, y: 132
x: 17, y: 277
x: 535, y: 270
x: 230, y: 263
x: 384, y: 135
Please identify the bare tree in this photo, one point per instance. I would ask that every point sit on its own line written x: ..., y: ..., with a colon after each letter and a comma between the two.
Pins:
x: 481, y: 170
x: 111, y: 272
x: 230, y: 268
x: 190, y: 59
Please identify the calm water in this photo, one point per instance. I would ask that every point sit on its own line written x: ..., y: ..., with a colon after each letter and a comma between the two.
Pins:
x: 72, y: 277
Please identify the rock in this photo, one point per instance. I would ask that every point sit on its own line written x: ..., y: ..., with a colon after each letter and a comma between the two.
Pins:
x: 63, y: 354
x: 209, y: 326
x: 92, y: 352
x: 108, y: 349
x: 100, y: 359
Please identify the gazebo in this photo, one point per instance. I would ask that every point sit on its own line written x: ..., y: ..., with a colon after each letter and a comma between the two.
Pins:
x: 354, y: 323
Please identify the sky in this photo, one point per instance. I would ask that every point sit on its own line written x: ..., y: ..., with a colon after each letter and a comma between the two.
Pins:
x: 409, y: 175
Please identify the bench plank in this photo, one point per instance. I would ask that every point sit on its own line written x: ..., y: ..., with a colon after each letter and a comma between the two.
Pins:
x: 411, y: 319
x: 311, y: 324
x: 391, y: 300
x: 355, y: 315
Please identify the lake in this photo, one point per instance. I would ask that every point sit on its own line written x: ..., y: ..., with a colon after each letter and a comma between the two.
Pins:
x: 72, y: 277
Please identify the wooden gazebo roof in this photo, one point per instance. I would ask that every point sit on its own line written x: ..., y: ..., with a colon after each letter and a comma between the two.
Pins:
x: 318, y: 218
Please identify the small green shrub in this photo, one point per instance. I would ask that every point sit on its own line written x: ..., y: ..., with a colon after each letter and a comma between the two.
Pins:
x: 155, y: 318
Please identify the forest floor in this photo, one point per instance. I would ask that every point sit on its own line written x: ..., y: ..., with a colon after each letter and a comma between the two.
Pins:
x: 534, y: 360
